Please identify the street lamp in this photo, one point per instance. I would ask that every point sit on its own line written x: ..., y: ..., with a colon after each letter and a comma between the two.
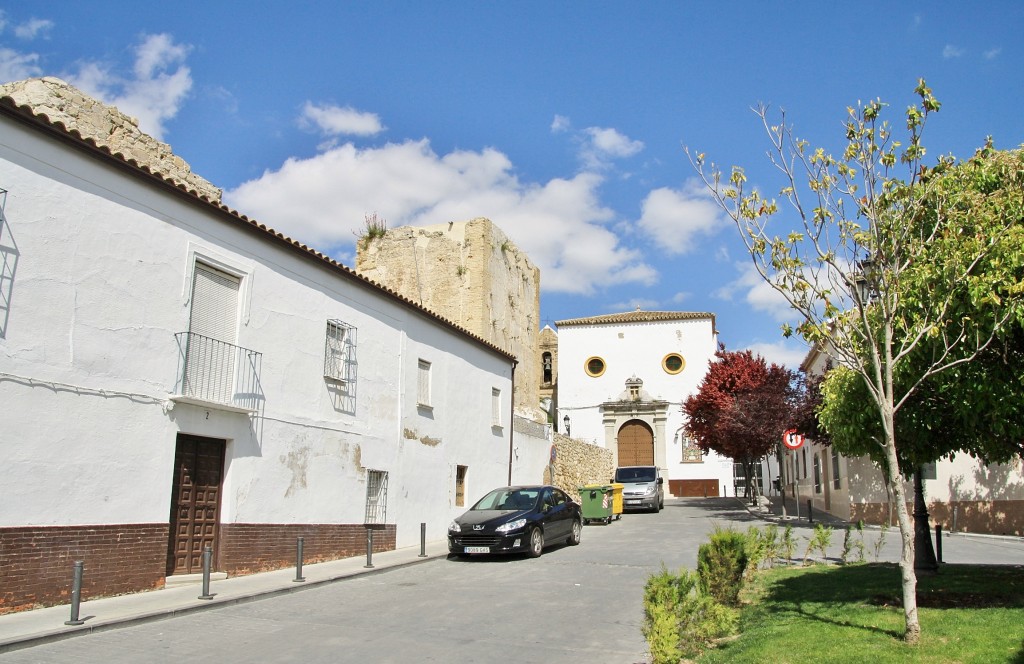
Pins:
x: 565, y: 421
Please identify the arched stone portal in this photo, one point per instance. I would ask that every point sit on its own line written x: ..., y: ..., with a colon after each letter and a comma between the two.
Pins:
x: 635, y: 444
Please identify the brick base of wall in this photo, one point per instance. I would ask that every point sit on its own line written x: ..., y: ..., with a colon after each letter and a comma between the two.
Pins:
x: 37, y: 563
x: 249, y: 548
x: 991, y: 517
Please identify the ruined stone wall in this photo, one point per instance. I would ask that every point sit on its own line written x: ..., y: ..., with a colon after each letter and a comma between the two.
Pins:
x: 578, y: 463
x: 470, y: 273
x: 107, y: 126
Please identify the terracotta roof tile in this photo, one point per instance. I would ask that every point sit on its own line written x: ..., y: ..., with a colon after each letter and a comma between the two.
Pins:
x: 637, y: 316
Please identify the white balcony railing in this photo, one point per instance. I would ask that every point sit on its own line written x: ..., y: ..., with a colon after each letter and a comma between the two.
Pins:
x: 217, y: 372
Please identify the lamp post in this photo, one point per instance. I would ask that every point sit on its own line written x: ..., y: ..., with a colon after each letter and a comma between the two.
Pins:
x: 566, y: 422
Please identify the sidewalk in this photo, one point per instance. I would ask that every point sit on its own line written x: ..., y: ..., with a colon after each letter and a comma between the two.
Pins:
x: 794, y: 511
x: 31, y: 628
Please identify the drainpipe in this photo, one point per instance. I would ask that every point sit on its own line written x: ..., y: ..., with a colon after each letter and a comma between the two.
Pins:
x: 511, y: 419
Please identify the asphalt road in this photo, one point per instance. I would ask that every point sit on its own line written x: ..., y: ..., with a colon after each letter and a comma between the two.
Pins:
x: 573, y: 604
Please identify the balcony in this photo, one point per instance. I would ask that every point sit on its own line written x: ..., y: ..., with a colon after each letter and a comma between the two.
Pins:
x: 217, y: 374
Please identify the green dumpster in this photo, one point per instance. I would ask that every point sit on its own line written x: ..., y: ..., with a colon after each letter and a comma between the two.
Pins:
x: 597, y: 503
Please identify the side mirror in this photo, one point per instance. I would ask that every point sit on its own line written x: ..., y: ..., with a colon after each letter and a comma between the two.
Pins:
x: 661, y: 480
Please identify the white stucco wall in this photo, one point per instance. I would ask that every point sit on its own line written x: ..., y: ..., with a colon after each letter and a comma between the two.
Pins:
x: 88, y: 358
x: 637, y: 349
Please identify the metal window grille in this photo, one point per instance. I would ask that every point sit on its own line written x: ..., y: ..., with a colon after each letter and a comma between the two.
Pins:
x: 835, y: 469
x: 218, y: 372
x: 817, y: 474
x: 339, y: 351
x: 376, y: 496
x: 423, y: 383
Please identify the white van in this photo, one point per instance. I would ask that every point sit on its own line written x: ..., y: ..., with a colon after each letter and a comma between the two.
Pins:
x: 643, y: 487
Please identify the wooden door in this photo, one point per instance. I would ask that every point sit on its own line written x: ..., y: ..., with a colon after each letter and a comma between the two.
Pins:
x: 636, y: 444
x: 195, y: 502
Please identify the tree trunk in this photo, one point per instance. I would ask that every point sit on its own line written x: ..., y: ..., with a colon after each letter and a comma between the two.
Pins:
x: 913, y: 626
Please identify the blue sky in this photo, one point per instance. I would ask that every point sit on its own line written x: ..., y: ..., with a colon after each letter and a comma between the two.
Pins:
x: 562, y: 122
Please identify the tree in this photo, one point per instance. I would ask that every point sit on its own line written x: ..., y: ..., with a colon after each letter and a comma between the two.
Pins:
x: 741, y: 408
x: 874, y: 230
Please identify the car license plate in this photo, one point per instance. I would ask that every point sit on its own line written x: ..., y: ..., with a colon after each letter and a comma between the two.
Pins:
x: 477, y: 549
x: 632, y: 502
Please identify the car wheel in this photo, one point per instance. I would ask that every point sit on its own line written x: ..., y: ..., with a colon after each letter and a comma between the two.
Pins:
x: 577, y: 530
x: 536, y: 543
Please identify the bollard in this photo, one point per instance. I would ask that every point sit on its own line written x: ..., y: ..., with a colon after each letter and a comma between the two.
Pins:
x: 810, y: 513
x: 953, y: 528
x: 423, y: 540
x: 369, y: 548
x: 298, y: 560
x: 705, y: 490
x: 938, y: 542
x: 76, y: 594
x: 207, y: 558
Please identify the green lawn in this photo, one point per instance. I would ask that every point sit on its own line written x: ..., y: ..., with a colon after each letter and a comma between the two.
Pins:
x: 854, y: 613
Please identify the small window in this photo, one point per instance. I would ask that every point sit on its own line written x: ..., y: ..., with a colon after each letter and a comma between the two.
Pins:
x: 460, y: 485
x: 817, y: 474
x: 423, y: 384
x: 835, y: 469
x: 594, y: 367
x: 376, y: 496
x: 495, y: 407
x: 673, y: 363
x: 339, y: 351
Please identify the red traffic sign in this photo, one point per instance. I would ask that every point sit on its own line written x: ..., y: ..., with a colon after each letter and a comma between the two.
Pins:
x: 792, y: 439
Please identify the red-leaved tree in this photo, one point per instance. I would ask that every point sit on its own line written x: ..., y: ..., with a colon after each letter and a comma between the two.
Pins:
x: 741, y: 408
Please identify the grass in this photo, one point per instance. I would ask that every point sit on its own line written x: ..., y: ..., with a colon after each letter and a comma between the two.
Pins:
x: 854, y: 613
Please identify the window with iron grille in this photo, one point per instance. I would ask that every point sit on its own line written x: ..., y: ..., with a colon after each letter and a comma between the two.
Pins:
x: 817, y: 474
x: 835, y: 469
x: 376, y: 496
x: 340, y: 351
x: 423, y: 384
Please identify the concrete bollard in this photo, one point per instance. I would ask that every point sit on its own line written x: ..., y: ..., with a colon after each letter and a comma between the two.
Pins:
x: 810, y: 512
x: 207, y: 560
x: 938, y: 542
x: 369, y: 548
x: 300, y: 542
x: 76, y: 594
x: 423, y: 540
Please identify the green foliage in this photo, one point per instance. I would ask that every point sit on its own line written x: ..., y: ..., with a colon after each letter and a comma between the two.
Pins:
x: 847, y: 545
x: 819, y: 541
x: 859, y: 544
x: 788, y: 543
x: 374, y: 228
x: 755, y: 546
x: 771, y: 544
x: 880, y: 542
x: 679, y: 620
x: 721, y: 563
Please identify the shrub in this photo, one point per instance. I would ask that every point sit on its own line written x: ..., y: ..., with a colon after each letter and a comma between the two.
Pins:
x: 819, y: 542
x: 788, y: 545
x: 681, y: 621
x: 721, y: 563
x: 771, y: 544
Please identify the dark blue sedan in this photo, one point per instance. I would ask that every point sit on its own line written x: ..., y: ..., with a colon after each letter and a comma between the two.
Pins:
x: 516, y: 519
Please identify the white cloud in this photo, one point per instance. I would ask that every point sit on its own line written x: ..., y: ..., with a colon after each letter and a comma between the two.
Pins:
x: 993, y: 53
x: 600, y: 145
x: 560, y: 124
x: 673, y: 218
x: 336, y: 120
x: 951, y: 51
x: 757, y: 293
x: 786, y: 353
x: 154, y: 94
x: 33, y: 28
x: 322, y: 200
x: 16, y: 66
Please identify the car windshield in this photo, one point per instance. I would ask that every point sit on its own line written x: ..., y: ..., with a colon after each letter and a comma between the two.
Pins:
x: 634, y: 475
x: 508, y: 499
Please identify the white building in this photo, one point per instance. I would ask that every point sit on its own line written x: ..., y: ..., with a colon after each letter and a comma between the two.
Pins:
x: 175, y: 375
x: 622, y: 379
x: 962, y: 493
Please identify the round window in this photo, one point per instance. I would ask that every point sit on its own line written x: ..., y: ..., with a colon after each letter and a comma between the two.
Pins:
x: 673, y: 363
x: 594, y: 367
